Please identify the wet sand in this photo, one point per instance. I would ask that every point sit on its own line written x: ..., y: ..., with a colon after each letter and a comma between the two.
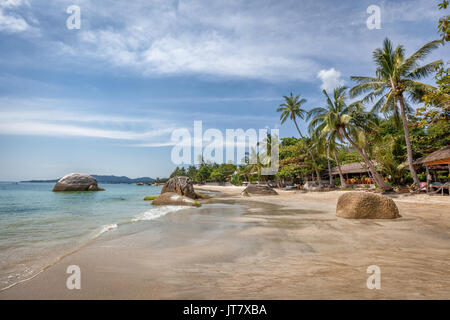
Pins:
x: 290, y: 246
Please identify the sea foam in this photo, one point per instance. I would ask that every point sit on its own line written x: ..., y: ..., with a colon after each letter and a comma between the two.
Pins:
x: 156, y: 212
x: 107, y: 228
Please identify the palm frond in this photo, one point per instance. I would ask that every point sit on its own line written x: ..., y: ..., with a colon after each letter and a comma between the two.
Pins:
x: 419, y: 55
x: 425, y: 70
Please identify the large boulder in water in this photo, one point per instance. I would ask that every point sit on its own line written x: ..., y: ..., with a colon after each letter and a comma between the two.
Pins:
x: 174, y: 199
x: 77, y: 182
x: 180, y: 185
x: 365, y: 205
x: 258, y: 189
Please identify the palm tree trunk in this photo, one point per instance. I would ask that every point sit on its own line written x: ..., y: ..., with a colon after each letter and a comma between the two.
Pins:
x: 329, y: 167
x: 310, y: 153
x: 408, y: 141
x: 329, y: 173
x: 376, y: 176
x: 341, y: 176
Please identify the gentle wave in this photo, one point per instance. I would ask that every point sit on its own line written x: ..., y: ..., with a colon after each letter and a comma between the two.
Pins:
x: 156, y: 212
x: 108, y: 227
x: 151, y: 214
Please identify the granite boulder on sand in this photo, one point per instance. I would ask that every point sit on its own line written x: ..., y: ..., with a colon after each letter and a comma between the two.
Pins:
x: 174, y: 199
x: 180, y: 185
x: 77, y: 182
x: 366, y: 205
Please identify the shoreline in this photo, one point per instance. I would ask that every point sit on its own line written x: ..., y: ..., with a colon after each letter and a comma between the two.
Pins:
x: 289, y: 246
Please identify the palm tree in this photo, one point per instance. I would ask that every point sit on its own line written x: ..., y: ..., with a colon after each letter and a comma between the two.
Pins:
x: 341, y: 176
x: 396, y: 76
x: 329, y: 140
x: 291, y: 109
x: 336, y: 119
x: 323, y: 146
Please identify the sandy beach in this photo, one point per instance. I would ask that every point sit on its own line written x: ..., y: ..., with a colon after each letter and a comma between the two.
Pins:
x: 290, y: 246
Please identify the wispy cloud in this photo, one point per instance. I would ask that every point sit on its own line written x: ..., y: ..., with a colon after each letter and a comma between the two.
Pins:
x: 31, y: 118
x: 14, y: 20
x: 266, y: 40
x: 37, y: 128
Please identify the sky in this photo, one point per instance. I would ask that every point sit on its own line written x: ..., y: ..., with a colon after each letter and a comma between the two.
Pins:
x: 106, y: 98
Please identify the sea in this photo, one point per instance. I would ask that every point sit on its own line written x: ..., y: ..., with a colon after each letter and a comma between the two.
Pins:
x: 38, y: 226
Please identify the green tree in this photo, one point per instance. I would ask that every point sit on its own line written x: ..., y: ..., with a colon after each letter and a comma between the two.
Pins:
x: 444, y: 22
x: 191, y: 172
x: 178, y: 172
x: 397, y: 76
x: 217, y: 175
x: 203, y: 173
x: 338, y: 117
x: 291, y: 109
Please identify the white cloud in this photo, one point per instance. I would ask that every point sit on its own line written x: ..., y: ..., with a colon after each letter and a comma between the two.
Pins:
x: 37, y: 128
x: 11, y: 23
x: 266, y: 40
x: 330, y: 79
x: 13, y: 3
x: 35, y: 120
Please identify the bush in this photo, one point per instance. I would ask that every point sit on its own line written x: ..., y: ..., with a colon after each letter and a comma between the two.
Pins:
x: 337, y: 181
x: 422, y: 176
x: 236, y: 180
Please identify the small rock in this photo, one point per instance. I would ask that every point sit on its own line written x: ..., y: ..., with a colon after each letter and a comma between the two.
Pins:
x: 259, y: 189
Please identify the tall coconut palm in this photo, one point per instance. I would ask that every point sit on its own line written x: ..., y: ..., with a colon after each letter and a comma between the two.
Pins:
x: 336, y: 118
x: 291, y: 109
x: 396, y: 77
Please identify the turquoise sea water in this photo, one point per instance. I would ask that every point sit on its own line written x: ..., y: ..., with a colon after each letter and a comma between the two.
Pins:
x: 37, y: 225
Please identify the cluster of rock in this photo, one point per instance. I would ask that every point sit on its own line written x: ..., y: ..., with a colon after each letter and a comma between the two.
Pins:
x: 366, y: 205
x: 180, y: 185
x: 77, y: 182
x: 178, y: 191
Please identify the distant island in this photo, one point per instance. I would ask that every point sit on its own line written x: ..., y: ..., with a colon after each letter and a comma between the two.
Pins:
x: 105, y: 179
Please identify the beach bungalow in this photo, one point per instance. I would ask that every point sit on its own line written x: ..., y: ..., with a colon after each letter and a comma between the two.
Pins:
x: 435, y: 162
x: 354, y: 173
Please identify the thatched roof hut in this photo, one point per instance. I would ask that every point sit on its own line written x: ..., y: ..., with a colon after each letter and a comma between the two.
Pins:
x: 441, y: 156
x: 348, y: 168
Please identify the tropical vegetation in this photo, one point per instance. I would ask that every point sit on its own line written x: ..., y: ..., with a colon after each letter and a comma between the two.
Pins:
x: 387, y: 120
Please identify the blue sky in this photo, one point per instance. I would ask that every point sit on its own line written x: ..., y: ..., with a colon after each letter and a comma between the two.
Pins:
x: 105, y: 99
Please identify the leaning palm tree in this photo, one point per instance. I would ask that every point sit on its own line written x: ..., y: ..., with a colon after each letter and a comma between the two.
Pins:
x: 337, y: 118
x: 396, y: 77
x: 291, y: 109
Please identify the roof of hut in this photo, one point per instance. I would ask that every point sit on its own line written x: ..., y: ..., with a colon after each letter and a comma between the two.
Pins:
x: 354, y: 167
x: 441, y: 156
